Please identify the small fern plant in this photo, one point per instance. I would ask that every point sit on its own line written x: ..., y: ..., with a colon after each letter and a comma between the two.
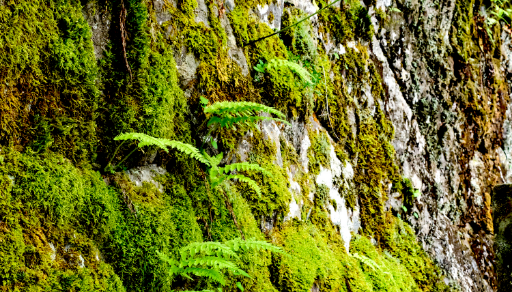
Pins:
x: 214, y: 260
x: 146, y: 140
x: 219, y: 174
x: 500, y: 10
x: 228, y: 113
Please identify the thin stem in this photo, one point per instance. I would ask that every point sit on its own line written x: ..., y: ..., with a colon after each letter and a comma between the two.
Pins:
x: 121, y: 162
x: 290, y: 26
x: 327, y: 103
x: 228, y: 204
x: 115, y: 152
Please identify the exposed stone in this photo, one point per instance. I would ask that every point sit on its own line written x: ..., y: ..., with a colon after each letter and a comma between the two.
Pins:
x: 99, y: 20
x: 146, y: 173
x: 502, y: 209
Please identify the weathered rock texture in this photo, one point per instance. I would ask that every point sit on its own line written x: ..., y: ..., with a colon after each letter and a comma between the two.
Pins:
x: 502, y: 216
x: 398, y: 110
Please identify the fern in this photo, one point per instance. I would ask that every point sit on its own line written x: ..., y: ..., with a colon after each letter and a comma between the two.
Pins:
x: 219, y: 174
x: 210, y: 259
x: 501, y: 11
x: 252, y: 244
x: 241, y: 178
x: 241, y: 107
x: 146, y: 140
x: 207, y: 248
x: 244, y: 166
x: 229, y: 113
x: 300, y: 71
x: 367, y: 261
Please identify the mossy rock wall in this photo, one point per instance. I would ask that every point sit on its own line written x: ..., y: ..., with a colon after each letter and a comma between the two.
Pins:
x: 399, y: 127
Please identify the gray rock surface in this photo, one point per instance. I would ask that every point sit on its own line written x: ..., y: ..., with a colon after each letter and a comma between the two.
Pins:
x: 502, y: 209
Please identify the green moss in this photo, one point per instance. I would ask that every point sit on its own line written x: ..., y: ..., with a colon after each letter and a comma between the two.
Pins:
x: 48, y: 79
x: 48, y: 202
x: 275, y: 193
x: 399, y: 239
x: 346, y: 23
x: 319, y: 154
x: 317, y: 257
x: 150, y: 100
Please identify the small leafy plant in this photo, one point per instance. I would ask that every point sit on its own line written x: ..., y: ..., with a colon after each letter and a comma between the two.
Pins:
x: 165, y: 144
x: 225, y: 114
x: 219, y: 174
x: 500, y: 11
x: 214, y: 260
x: 222, y: 114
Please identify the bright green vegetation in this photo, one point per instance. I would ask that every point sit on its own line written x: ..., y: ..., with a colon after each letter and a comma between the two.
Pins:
x: 68, y: 222
x: 48, y: 77
x: 210, y: 259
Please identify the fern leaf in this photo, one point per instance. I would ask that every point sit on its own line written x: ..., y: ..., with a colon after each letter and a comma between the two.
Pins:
x: 202, y: 272
x: 187, y: 149
x: 227, y: 122
x: 241, y: 108
x: 367, y: 261
x: 300, y: 71
x: 213, y: 161
x: 252, y: 244
x: 244, y: 166
x: 206, y: 248
x: 211, y: 262
x: 144, y: 140
x: 242, y: 178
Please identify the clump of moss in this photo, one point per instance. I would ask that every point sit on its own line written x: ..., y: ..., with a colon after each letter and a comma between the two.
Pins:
x: 318, y: 258
x: 398, y: 238
x: 48, y: 84
x: 346, y: 23
x: 319, y: 154
x: 50, y: 214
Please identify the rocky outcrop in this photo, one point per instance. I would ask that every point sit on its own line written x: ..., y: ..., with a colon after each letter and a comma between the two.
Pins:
x: 502, y: 215
x: 399, y: 115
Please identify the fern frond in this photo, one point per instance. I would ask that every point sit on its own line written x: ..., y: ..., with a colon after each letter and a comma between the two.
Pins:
x: 227, y: 122
x: 207, y: 248
x: 240, y: 108
x: 367, y: 261
x: 187, y: 149
x: 244, y: 166
x: 240, y: 177
x: 300, y: 71
x: 252, y: 244
x: 202, y: 272
x: 146, y: 140
x: 210, y: 262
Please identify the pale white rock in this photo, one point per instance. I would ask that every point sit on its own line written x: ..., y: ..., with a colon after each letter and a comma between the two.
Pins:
x: 53, y: 254
x: 202, y: 12
x: 382, y: 4
x: 271, y: 132
x: 186, y: 64
x: 303, y: 158
x: 147, y: 173
x: 276, y: 9
x: 295, y: 190
x: 294, y: 210
x: 81, y: 261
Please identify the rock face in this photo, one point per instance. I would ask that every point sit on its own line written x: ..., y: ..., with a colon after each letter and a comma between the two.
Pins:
x: 398, y: 111
x: 502, y: 216
x: 447, y: 97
